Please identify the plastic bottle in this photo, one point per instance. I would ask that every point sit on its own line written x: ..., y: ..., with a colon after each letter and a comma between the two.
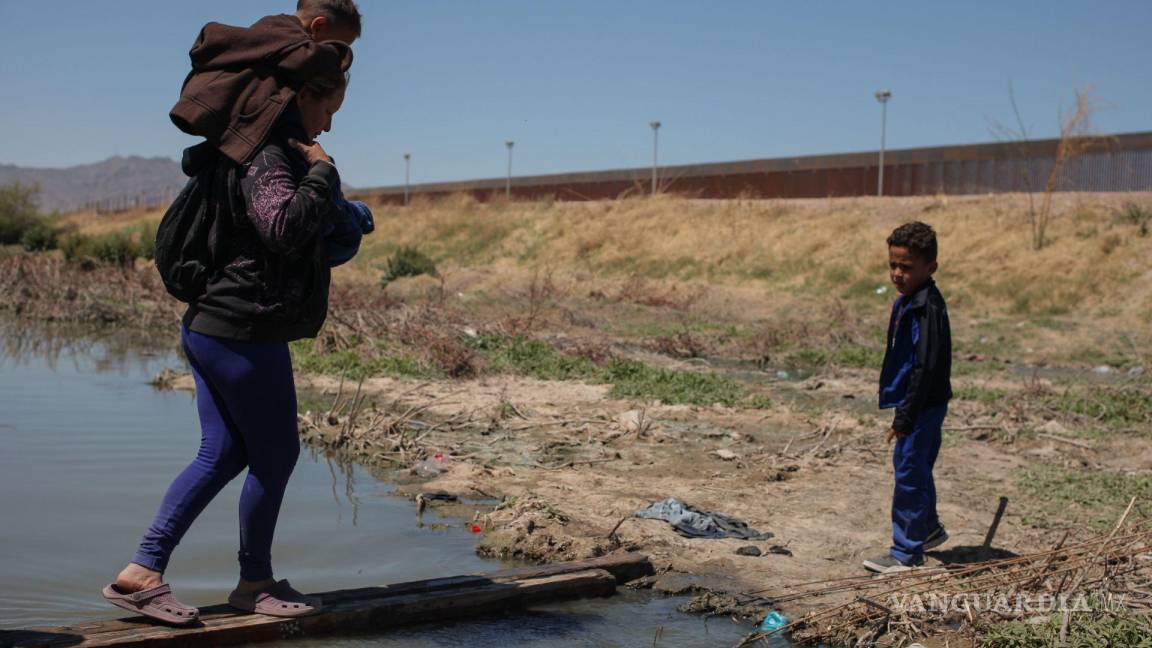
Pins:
x: 774, y: 621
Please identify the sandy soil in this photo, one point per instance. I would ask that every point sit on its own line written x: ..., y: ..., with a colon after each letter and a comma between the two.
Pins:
x: 573, y: 466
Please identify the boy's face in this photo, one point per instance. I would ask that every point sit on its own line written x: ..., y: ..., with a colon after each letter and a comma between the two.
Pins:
x: 323, y: 29
x: 907, y: 271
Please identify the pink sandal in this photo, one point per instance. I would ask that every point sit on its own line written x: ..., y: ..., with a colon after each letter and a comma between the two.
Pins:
x: 155, y: 603
x: 279, y: 600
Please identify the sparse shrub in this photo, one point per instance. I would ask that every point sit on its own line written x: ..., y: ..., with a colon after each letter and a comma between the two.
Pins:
x: 681, y: 345
x: 73, y: 246
x: 120, y: 248
x: 408, y: 262
x: 452, y: 357
x: 1137, y: 215
x: 20, y: 222
x: 40, y: 237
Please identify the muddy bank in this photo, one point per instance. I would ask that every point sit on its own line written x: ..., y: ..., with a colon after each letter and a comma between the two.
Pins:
x: 570, y: 466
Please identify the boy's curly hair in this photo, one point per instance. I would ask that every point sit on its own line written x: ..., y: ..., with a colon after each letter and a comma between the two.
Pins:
x: 344, y: 12
x: 919, y: 238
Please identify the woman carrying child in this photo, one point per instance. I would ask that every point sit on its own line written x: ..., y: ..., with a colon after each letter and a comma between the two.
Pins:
x: 277, y: 219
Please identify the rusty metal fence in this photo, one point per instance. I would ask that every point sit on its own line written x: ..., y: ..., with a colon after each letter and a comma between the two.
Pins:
x: 1112, y: 163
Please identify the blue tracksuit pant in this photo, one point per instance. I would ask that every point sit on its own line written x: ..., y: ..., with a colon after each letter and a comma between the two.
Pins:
x: 914, y: 497
x: 246, y: 399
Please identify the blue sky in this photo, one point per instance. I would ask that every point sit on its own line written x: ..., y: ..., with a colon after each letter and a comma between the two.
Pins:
x: 576, y: 83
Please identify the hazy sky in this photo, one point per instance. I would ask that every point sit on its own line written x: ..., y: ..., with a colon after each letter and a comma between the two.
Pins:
x: 575, y: 83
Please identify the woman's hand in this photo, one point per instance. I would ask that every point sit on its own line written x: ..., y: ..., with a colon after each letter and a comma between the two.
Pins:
x: 312, y: 152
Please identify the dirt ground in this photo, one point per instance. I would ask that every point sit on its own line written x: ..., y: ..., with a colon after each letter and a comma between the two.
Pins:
x: 571, y: 465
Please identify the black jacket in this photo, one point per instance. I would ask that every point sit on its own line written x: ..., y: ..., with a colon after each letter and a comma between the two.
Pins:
x: 271, y: 273
x: 918, y: 359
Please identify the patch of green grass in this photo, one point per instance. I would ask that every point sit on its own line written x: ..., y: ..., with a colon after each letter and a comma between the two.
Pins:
x: 475, y: 240
x: 1053, y: 324
x: 630, y: 379
x: 354, y: 365
x: 979, y: 394
x: 1096, y: 497
x: 838, y: 275
x: 1096, y: 355
x: 638, y: 381
x: 663, y: 329
x: 858, y: 356
x: 961, y: 367
x: 1109, y: 406
x: 535, y: 358
x: 761, y: 272
x: 1098, y: 626
x: 866, y: 289
x: 408, y: 262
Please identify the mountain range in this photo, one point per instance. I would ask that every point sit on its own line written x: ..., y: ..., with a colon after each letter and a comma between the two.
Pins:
x: 116, y: 183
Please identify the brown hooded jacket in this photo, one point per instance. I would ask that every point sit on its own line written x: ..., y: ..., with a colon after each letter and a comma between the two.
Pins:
x: 243, y: 77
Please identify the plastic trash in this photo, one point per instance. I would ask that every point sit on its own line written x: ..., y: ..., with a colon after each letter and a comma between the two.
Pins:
x: 774, y: 621
x: 882, y: 290
x: 432, y: 466
x: 783, y: 375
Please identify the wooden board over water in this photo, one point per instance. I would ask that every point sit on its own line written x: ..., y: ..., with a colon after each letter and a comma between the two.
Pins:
x: 366, y: 609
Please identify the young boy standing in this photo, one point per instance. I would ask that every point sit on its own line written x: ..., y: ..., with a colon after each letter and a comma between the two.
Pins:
x: 915, y: 381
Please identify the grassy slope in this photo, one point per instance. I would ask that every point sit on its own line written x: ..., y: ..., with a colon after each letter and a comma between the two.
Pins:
x: 1096, y: 265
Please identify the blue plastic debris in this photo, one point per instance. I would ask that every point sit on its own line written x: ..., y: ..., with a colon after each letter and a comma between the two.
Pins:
x: 774, y: 621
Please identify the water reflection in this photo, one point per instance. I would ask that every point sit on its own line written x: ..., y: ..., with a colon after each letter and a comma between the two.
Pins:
x: 90, y: 447
x: 110, y: 350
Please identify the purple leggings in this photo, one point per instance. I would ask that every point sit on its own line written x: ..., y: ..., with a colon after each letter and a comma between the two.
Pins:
x: 247, y: 403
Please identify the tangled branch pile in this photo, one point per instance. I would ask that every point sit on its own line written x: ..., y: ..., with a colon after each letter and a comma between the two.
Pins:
x: 44, y: 288
x: 1107, y: 575
x: 392, y: 434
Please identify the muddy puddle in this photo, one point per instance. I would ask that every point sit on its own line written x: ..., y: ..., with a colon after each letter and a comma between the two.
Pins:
x: 89, y: 448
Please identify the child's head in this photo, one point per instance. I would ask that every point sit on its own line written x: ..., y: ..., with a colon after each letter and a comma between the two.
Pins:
x: 911, y: 256
x: 337, y: 20
x: 318, y: 100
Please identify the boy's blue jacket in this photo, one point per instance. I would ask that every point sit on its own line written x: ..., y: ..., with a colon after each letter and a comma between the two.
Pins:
x: 918, y: 360
x: 351, y: 221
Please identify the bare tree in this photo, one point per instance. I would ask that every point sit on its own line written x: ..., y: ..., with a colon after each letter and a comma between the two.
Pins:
x: 1076, y: 136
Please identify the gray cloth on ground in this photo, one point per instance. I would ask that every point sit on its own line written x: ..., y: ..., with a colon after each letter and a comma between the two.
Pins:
x: 691, y: 522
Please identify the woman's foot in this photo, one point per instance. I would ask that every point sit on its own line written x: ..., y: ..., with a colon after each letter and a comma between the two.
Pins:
x: 277, y: 599
x: 247, y: 587
x: 136, y: 578
x: 142, y: 590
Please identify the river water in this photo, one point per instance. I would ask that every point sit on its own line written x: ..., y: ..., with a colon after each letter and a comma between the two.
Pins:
x: 88, y: 448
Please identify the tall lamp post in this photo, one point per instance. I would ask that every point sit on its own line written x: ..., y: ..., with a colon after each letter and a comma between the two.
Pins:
x: 882, y: 96
x: 407, y: 175
x: 655, y: 152
x: 508, y: 181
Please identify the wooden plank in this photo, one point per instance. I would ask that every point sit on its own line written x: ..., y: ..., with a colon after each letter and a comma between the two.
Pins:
x: 359, y: 609
x: 362, y: 615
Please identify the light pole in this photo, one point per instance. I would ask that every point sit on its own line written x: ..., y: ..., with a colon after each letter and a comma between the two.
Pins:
x: 407, y: 175
x: 508, y: 182
x: 882, y: 96
x: 655, y: 152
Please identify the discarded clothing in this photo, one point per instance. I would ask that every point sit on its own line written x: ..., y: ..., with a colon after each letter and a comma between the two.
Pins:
x: 693, y: 523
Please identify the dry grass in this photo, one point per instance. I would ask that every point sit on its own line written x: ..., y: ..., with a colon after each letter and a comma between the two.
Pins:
x: 1094, y: 262
x: 781, y: 252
